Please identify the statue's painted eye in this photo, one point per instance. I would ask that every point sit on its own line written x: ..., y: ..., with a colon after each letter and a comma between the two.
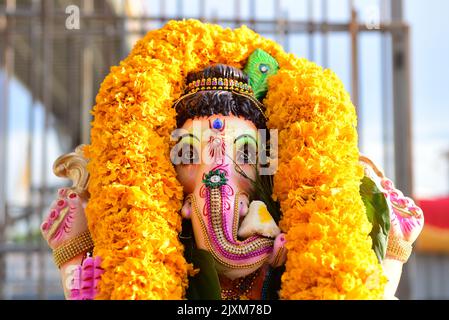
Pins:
x: 188, y: 154
x: 246, y: 154
x: 263, y: 68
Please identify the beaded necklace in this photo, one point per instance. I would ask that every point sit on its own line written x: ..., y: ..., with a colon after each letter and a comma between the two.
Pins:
x: 241, y: 288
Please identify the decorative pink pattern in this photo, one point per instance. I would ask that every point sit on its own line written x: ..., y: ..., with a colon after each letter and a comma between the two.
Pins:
x: 66, y: 225
x: 218, y: 245
x: 217, y: 149
x: 259, y: 245
x: 66, y: 208
x: 406, y: 216
x: 85, y: 279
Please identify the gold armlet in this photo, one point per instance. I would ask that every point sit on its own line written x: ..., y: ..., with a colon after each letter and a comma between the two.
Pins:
x: 73, y: 247
x: 398, y: 249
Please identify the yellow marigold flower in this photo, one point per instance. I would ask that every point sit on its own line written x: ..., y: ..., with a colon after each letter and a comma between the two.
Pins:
x: 133, y: 212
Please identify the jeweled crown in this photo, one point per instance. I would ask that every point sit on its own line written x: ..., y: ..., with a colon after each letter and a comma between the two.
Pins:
x: 231, y: 81
x: 226, y: 84
x: 250, y: 82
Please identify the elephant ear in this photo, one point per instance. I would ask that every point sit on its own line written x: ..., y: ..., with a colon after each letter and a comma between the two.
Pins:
x: 259, y: 68
x: 378, y: 214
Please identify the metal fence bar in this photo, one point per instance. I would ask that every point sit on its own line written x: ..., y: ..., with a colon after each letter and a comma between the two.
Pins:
x: 252, y: 15
x: 47, y: 62
x: 237, y: 12
x: 279, y: 27
x: 310, y: 31
x: 8, y: 67
x: 179, y: 9
x: 32, y: 75
x: 402, y: 122
x: 386, y: 92
x: 325, y: 34
x: 261, y: 25
x: 354, y: 32
x: 285, y: 16
x: 14, y: 248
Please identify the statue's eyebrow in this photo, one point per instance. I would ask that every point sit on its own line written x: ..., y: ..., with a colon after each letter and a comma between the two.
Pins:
x: 188, y: 135
x: 245, y: 136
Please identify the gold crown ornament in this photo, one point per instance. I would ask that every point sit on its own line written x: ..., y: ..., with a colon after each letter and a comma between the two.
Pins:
x: 260, y: 66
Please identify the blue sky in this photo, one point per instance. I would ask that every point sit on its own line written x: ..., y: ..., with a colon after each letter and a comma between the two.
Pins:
x: 430, y: 69
x: 430, y: 56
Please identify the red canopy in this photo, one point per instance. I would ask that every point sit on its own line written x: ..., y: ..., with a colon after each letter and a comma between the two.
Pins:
x: 434, y: 237
x: 436, y: 212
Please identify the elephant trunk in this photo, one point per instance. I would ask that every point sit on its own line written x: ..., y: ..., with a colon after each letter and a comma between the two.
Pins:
x: 219, y: 222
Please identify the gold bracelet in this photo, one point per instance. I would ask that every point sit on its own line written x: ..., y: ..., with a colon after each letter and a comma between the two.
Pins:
x: 73, y: 247
x: 398, y: 249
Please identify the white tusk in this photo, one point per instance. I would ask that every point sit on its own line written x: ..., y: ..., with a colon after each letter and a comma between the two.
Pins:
x: 258, y: 221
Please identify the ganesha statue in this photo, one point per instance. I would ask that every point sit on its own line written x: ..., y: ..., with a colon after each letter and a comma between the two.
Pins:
x: 199, y: 212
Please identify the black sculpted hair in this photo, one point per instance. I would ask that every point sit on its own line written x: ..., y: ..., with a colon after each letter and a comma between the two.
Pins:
x: 208, y: 103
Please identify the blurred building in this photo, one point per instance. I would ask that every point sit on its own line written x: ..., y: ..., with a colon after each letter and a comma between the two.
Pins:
x: 55, y: 53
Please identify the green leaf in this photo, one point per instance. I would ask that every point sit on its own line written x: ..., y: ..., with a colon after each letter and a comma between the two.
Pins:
x: 205, y: 285
x: 378, y: 214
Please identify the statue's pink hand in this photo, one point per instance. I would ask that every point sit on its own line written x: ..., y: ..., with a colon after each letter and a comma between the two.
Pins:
x: 407, y: 219
x: 85, y: 279
x: 66, y: 218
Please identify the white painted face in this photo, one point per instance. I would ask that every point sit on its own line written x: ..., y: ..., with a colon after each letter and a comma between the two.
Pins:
x: 202, y: 147
x: 211, y: 151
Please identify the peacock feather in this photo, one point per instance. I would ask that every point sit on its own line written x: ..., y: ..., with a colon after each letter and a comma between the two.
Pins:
x: 259, y: 68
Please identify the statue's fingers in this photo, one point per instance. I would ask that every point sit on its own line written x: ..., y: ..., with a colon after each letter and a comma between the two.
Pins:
x: 49, y: 219
x: 74, y: 200
x: 57, y: 217
x: 98, y: 271
x: 387, y: 184
x: 97, y: 263
x: 409, y: 201
x: 394, y: 220
x: 62, y: 192
x: 402, y: 204
x: 53, y: 205
x: 402, y: 212
x: 45, y: 226
x: 416, y: 211
x: 418, y: 216
x: 395, y: 195
x: 407, y: 208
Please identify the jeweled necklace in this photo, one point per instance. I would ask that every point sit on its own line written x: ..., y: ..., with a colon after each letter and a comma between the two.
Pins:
x: 241, y: 287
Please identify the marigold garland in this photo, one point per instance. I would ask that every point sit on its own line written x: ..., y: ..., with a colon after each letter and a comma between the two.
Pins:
x: 135, y: 197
